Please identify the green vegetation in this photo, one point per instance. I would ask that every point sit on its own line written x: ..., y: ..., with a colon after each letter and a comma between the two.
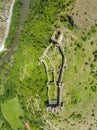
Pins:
x: 53, y: 92
x: 1, y: 90
x: 14, y: 23
x: 12, y: 112
x: 25, y: 78
x: 2, y: 4
x: 1, y: 122
x: 4, y: 0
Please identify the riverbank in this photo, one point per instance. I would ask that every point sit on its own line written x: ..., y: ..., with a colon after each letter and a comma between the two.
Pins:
x: 20, y: 12
x: 2, y: 44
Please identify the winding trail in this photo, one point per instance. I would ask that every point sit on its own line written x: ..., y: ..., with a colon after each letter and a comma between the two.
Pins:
x: 23, y: 16
x: 8, y: 26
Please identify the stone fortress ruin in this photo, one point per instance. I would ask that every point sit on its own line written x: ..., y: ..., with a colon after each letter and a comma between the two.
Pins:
x: 56, y: 104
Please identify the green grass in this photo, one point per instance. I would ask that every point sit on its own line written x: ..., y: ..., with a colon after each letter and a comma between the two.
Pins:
x: 25, y: 78
x: 15, y: 22
x: 53, y: 92
x: 1, y: 122
x: 48, y: 63
x: 11, y: 111
x: 1, y: 90
x: 4, y: 0
x: 51, y: 76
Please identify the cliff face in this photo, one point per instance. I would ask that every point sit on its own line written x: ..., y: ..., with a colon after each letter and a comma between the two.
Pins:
x: 4, y: 13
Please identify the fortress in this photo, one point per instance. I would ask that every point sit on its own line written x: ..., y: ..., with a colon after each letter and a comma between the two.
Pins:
x: 55, y: 105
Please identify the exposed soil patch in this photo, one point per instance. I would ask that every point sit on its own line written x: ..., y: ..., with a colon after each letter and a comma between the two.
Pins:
x: 84, y: 13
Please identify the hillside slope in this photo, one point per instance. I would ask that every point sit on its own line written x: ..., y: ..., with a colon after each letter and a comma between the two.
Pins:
x: 84, y: 13
x: 4, y: 14
x: 25, y: 77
